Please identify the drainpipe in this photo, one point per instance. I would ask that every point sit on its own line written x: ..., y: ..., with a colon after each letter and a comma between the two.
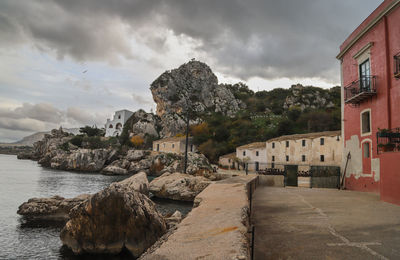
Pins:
x: 388, y: 73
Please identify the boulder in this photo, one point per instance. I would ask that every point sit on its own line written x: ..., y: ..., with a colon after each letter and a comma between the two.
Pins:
x: 53, y: 208
x: 114, y: 170
x: 174, y: 219
x: 137, y: 182
x: 178, y: 186
x: 112, y: 220
x: 135, y: 155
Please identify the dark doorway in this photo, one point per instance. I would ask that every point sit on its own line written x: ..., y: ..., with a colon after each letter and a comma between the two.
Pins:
x: 291, y: 175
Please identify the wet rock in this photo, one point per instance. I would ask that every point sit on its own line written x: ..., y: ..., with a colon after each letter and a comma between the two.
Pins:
x: 174, y: 219
x: 178, y: 186
x: 112, y: 220
x: 53, y: 208
x: 114, y: 170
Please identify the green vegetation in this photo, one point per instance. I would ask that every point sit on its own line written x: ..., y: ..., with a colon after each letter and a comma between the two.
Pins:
x: 92, y: 131
x: 266, y: 117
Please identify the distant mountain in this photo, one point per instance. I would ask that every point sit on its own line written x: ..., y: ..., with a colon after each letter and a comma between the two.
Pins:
x: 31, y: 139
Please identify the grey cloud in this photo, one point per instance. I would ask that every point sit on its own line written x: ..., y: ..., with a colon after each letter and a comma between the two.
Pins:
x: 42, y: 112
x: 265, y: 38
x: 81, y: 117
x: 22, y: 124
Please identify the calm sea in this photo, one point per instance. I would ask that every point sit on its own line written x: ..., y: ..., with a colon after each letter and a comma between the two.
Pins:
x: 24, y: 179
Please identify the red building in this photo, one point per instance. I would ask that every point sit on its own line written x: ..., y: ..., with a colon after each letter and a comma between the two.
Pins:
x: 370, y: 72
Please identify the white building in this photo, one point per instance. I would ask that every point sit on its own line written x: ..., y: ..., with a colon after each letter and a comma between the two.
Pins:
x: 114, y: 127
x: 255, y: 154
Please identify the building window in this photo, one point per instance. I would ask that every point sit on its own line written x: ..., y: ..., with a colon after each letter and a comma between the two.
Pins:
x: 303, y: 158
x: 366, y: 150
x: 287, y: 143
x: 365, y: 73
x: 119, y: 116
x: 397, y: 65
x: 229, y: 160
x: 273, y: 158
x: 303, y: 142
x: 322, y: 141
x: 164, y: 145
x: 110, y: 126
x: 273, y: 145
x: 158, y: 147
x: 256, y: 153
x: 244, y: 153
x: 322, y: 158
x: 173, y: 145
x: 287, y: 158
x: 272, y: 165
x: 365, y: 122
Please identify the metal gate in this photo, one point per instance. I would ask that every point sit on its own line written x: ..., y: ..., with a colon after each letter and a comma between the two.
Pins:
x: 325, y: 176
x: 291, y: 175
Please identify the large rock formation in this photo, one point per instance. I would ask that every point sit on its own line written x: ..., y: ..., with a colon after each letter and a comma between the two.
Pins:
x: 143, y: 124
x: 193, y: 85
x: 178, y: 186
x: 53, y: 208
x: 114, y: 219
x: 92, y: 160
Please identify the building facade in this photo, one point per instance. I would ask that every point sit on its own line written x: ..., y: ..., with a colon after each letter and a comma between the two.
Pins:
x: 305, y: 150
x: 370, y: 77
x: 174, y: 145
x: 114, y: 127
x: 228, y: 161
x: 254, y: 154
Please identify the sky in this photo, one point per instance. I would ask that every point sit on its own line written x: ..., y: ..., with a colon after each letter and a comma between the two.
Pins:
x: 73, y: 63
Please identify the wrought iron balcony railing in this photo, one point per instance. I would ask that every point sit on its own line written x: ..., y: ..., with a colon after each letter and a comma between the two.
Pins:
x: 360, y: 90
x: 388, y: 140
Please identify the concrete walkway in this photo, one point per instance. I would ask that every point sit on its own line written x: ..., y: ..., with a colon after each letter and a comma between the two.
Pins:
x: 302, y: 223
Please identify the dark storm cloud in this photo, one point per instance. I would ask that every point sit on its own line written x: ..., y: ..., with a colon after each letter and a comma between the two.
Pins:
x: 265, y: 38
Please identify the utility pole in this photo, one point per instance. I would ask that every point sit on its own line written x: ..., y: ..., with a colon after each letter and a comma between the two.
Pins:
x: 187, y: 140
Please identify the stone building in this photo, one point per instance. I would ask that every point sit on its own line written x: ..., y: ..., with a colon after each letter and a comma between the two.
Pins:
x: 174, y: 145
x: 114, y: 127
x: 253, y: 154
x: 370, y: 73
x: 304, y: 150
x: 228, y: 160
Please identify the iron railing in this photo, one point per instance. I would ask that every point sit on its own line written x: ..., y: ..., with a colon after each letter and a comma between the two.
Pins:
x: 388, y: 140
x: 360, y: 90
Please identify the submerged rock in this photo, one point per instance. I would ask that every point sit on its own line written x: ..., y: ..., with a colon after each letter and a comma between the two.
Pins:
x: 53, y: 208
x: 114, y: 219
x: 178, y: 186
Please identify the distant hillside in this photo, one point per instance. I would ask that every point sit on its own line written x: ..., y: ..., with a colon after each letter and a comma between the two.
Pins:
x: 31, y: 139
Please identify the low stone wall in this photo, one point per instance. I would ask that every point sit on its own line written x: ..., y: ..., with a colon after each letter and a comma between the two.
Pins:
x: 304, y: 182
x: 272, y: 180
x: 216, y: 228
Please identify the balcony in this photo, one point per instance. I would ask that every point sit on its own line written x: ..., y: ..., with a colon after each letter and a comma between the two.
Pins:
x: 360, y: 90
x: 388, y: 140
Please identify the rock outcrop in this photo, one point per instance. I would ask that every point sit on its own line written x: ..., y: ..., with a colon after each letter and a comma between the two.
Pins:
x: 310, y: 97
x: 178, y: 186
x: 143, y: 124
x: 92, y: 160
x: 112, y: 220
x: 193, y: 85
x: 53, y: 208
